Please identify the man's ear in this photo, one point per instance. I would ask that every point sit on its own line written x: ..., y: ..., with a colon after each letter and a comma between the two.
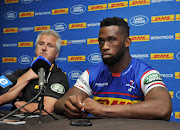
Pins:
x: 127, y: 42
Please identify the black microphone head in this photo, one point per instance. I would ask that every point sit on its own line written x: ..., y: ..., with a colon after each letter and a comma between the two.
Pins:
x: 40, y: 62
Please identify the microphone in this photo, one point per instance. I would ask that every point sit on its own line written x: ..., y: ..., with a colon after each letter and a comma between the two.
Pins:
x: 40, y: 65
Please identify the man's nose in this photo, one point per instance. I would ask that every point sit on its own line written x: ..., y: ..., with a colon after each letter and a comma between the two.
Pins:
x: 44, y: 47
x: 105, y: 45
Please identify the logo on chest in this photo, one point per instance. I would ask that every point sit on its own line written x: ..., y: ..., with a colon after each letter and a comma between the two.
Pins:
x: 101, y: 84
x: 130, y: 85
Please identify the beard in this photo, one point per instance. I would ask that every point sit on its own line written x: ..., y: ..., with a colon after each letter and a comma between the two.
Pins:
x: 114, y: 59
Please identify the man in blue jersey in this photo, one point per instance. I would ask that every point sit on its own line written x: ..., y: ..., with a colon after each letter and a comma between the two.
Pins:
x: 121, y: 86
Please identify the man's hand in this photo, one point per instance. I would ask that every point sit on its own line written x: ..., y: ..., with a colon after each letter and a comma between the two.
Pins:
x: 73, y: 107
x: 93, y: 107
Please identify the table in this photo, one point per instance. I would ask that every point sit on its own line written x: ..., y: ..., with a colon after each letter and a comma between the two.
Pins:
x: 48, y: 123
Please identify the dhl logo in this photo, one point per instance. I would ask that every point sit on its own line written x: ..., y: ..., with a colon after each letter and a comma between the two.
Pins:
x: 139, y: 2
x: 76, y: 58
x: 41, y: 28
x: 25, y: 44
x: 10, y: 30
x: 177, y: 115
x: 139, y: 38
x: 177, y: 36
x: 9, y: 59
x: 11, y: 1
x: 64, y: 42
x: 177, y: 17
x: 92, y: 41
x: 164, y: 18
x: 77, y: 25
x: 113, y: 101
x: 60, y: 11
x: 177, y: 75
x: 118, y: 5
x: 177, y: 0
x: 162, y: 56
x: 97, y: 7
x: 171, y: 94
x: 26, y: 14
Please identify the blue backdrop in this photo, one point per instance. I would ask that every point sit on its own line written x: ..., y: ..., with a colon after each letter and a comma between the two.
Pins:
x: 155, y: 33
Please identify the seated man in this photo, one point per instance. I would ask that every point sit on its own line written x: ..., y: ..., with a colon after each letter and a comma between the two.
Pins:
x: 121, y: 86
x: 48, y: 46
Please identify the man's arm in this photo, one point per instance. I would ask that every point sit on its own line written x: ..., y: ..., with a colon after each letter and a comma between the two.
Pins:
x: 71, y: 103
x: 157, y: 105
x: 48, y: 105
x: 16, y: 90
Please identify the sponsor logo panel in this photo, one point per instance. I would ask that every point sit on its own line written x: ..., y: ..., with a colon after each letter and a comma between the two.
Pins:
x: 164, y: 18
x: 10, y: 45
x: 178, y: 56
x: 162, y: 56
x: 177, y: 115
x: 92, y: 41
x: 10, y: 30
x: 26, y: 29
x: 7, y: 72
x: 59, y: 27
x: 9, y: 59
x: 81, y: 41
x: 43, y: 13
x: 140, y: 56
x: 25, y: 44
x: 139, y: 20
x: 139, y: 38
x: 26, y: 1
x: 77, y: 25
x: 158, y: 1
x: 177, y: 75
x: 78, y: 9
x: 177, y: 36
x: 41, y: 28
x: 167, y: 75
x: 26, y: 14
x: 61, y: 59
x: 177, y: 17
x: 74, y: 75
x: 171, y: 94
x: 95, y: 58
x: 93, y: 24
x: 24, y: 59
x: 178, y: 95
x: 76, y: 58
x: 60, y: 11
x: 97, y: 7
x: 118, y: 5
x: 11, y: 1
x: 139, y: 2
x: 64, y: 42
x: 10, y: 15
x: 166, y: 37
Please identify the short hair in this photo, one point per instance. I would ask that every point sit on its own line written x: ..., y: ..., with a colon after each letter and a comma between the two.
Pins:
x: 53, y: 33
x: 117, y: 22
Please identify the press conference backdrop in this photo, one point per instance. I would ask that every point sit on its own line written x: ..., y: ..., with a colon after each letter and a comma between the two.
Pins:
x: 154, y: 29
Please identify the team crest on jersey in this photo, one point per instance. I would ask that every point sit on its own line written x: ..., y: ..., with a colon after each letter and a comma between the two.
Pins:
x: 130, y: 85
x: 58, y: 88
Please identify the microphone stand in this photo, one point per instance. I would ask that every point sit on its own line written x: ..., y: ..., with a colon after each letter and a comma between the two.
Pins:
x: 41, y: 97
